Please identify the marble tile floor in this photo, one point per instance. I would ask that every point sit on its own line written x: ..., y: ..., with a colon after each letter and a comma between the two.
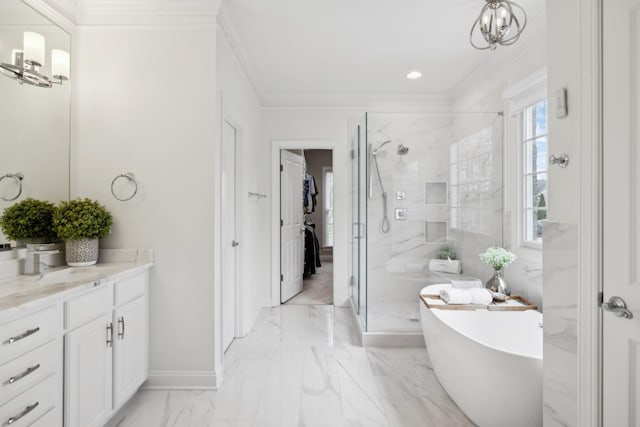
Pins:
x: 301, y: 366
x: 317, y: 288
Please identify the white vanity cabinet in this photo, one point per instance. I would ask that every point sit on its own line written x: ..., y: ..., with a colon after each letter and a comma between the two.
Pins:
x: 31, y: 368
x: 106, y: 350
x: 88, y: 374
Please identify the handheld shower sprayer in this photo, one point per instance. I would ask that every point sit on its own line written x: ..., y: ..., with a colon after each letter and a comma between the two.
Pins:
x: 384, y: 225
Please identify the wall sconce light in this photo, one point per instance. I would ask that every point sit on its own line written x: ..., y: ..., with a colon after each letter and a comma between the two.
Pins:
x: 499, y: 24
x: 26, y: 63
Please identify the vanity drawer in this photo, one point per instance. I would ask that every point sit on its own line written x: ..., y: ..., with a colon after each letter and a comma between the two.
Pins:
x: 130, y: 288
x: 25, y: 371
x: 26, y: 333
x: 53, y: 418
x: 89, y: 306
x: 32, y: 404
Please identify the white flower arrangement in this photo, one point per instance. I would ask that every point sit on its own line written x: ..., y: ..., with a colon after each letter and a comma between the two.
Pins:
x: 497, y: 257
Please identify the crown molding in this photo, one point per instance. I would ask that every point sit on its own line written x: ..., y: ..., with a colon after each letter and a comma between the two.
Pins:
x: 228, y: 30
x: 60, y: 12
x: 147, y: 12
x: 429, y: 100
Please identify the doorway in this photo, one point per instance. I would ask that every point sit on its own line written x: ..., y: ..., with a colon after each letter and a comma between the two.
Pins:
x: 306, y: 224
x: 229, y: 233
x: 317, y: 203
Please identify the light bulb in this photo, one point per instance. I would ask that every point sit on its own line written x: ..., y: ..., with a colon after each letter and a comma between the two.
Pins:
x: 60, y: 64
x: 34, y: 48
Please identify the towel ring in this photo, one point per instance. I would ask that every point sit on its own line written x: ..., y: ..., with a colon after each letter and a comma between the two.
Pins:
x: 129, y: 177
x: 17, y: 177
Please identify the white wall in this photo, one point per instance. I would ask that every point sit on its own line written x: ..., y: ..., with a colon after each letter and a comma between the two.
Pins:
x: 142, y: 108
x: 566, y: 37
x: 241, y: 106
x: 332, y: 124
x: 483, y: 91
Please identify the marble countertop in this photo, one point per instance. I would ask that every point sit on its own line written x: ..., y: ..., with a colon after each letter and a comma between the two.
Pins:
x: 23, y: 293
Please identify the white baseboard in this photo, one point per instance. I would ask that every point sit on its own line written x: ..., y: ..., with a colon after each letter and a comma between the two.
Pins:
x: 182, y: 380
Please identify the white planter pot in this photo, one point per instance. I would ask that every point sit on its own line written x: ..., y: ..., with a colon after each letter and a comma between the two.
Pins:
x: 81, y: 252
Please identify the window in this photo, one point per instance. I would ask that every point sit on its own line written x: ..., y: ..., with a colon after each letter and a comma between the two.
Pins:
x: 526, y: 196
x: 533, y: 146
x: 328, y: 207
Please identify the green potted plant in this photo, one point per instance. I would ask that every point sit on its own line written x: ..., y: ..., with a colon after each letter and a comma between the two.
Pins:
x: 81, y: 223
x: 28, y: 221
x: 447, y: 253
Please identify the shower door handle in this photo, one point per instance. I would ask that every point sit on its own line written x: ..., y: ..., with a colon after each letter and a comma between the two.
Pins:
x: 357, y: 231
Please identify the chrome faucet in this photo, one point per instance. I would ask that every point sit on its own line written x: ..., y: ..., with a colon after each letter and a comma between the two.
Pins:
x: 32, y: 258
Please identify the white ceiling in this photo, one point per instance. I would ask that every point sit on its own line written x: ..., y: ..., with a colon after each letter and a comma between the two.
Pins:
x: 15, y: 12
x: 309, y: 49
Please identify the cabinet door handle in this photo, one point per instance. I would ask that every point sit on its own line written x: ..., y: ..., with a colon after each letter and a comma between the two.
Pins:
x: 110, y: 334
x: 23, y: 374
x: 22, y: 335
x: 121, y: 327
x: 22, y: 414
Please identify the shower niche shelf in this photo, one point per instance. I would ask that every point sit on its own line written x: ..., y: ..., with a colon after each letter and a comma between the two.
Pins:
x: 436, y: 231
x: 436, y: 193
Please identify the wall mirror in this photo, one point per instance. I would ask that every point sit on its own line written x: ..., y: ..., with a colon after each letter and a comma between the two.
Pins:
x: 34, y: 120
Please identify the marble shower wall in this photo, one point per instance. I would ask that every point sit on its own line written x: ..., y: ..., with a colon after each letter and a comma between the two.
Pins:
x: 450, y: 184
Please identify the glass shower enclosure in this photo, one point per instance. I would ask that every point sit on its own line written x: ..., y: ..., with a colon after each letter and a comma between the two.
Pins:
x: 420, y: 182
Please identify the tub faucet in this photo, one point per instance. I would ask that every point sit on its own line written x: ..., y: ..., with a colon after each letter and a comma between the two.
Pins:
x: 32, y: 258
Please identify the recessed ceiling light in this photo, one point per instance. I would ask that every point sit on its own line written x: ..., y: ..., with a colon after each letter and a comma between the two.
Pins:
x: 414, y: 75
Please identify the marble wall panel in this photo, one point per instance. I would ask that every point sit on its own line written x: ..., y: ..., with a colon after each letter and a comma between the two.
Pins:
x: 560, y: 324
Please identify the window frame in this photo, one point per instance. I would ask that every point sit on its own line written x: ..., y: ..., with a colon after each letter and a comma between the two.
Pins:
x: 523, y: 174
x: 517, y: 99
x: 328, y: 195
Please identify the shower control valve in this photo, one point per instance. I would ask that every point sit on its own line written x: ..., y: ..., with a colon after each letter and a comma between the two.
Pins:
x: 401, y: 214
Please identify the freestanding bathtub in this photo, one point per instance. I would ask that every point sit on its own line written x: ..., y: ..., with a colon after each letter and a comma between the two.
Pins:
x: 489, y: 362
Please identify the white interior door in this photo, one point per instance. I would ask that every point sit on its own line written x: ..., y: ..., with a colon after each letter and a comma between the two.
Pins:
x: 292, y: 169
x: 229, y: 243
x: 621, y: 208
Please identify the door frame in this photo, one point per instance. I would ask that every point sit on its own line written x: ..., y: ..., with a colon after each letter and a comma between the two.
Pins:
x: 225, y: 112
x: 276, y: 146
x: 238, y: 289
x: 590, y: 282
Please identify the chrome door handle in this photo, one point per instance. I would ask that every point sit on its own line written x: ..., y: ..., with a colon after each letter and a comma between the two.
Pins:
x: 617, y: 306
x: 234, y: 244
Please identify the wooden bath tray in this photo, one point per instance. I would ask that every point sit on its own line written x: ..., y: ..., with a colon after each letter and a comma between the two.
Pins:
x: 512, y: 303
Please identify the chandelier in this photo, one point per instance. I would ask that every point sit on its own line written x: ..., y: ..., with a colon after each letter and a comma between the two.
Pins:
x: 501, y: 22
x: 26, y: 63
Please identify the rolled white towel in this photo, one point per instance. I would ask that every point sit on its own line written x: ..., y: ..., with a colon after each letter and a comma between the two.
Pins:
x: 455, y: 296
x: 445, y: 266
x: 481, y: 296
x: 466, y: 284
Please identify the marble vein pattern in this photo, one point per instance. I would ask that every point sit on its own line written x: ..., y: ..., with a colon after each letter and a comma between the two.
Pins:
x: 301, y: 366
x: 463, y: 151
x: 560, y: 324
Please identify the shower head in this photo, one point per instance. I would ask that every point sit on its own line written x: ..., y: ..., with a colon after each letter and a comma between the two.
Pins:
x: 375, y: 151
x: 402, y: 150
